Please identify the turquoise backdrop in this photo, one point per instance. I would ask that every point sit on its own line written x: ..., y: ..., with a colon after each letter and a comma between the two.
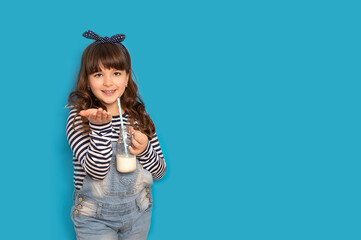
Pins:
x: 256, y: 104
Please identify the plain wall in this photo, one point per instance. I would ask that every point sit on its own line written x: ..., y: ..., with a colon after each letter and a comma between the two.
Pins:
x: 256, y: 105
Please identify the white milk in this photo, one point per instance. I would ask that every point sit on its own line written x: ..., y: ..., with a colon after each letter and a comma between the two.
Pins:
x: 126, y: 164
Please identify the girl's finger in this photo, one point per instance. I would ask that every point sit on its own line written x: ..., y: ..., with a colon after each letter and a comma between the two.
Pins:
x: 98, y: 115
x: 132, y: 150
x: 136, y: 144
x: 106, y: 115
x: 84, y: 113
x: 103, y: 116
x: 140, y: 137
x: 136, y: 137
x: 92, y: 117
x: 88, y: 111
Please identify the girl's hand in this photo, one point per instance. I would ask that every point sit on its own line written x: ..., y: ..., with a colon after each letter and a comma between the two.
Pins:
x: 96, y: 116
x: 139, y: 141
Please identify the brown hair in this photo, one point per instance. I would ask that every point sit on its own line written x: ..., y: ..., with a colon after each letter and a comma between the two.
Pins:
x: 110, y: 56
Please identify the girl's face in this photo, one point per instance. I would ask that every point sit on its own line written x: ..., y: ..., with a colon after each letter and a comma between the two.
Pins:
x: 108, y: 85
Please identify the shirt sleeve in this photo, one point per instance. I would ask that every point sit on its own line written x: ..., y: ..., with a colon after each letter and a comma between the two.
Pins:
x: 152, y: 159
x: 92, y: 150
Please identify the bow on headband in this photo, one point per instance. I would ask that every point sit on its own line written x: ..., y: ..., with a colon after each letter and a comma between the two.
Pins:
x: 114, y: 39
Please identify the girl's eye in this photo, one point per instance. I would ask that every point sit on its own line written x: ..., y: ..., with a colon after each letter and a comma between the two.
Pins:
x: 97, y: 75
x: 117, y: 73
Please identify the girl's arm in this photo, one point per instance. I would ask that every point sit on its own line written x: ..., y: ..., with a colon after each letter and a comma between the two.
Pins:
x: 152, y: 159
x: 92, y: 150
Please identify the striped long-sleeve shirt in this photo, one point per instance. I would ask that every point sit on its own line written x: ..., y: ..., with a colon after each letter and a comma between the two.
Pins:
x: 92, y: 152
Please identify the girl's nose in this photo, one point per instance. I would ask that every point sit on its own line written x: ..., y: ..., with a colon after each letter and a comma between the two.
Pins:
x: 107, y: 81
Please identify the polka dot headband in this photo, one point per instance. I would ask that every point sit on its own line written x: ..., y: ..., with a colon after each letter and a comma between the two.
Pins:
x: 116, y: 39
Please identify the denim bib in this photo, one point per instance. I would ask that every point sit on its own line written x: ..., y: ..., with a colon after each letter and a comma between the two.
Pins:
x: 116, y: 187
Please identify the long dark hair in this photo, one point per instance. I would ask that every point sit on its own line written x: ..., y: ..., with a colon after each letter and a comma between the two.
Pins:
x: 110, y: 56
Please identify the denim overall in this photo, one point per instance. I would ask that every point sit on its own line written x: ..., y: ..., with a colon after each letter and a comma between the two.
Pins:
x: 118, y: 207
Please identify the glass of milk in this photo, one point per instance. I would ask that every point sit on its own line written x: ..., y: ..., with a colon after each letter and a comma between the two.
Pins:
x: 126, y: 162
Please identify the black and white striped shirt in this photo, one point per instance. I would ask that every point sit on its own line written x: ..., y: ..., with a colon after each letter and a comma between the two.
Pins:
x: 92, y: 152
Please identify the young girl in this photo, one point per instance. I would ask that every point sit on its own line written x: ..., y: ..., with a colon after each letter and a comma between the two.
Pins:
x: 109, y: 204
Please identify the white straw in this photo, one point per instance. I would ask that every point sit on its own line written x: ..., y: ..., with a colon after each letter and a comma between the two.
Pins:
x: 122, y: 126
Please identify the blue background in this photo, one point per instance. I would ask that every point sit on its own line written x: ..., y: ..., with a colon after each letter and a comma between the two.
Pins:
x: 256, y: 104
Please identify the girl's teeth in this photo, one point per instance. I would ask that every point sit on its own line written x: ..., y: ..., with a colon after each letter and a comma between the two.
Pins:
x: 108, y: 91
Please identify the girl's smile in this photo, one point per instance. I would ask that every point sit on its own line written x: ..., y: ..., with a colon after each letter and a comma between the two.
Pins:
x: 108, y: 93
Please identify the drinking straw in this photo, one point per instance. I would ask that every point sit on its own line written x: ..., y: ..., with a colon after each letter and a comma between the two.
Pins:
x: 122, y: 127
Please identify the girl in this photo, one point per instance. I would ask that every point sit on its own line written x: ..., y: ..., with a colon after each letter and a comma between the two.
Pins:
x: 109, y: 204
